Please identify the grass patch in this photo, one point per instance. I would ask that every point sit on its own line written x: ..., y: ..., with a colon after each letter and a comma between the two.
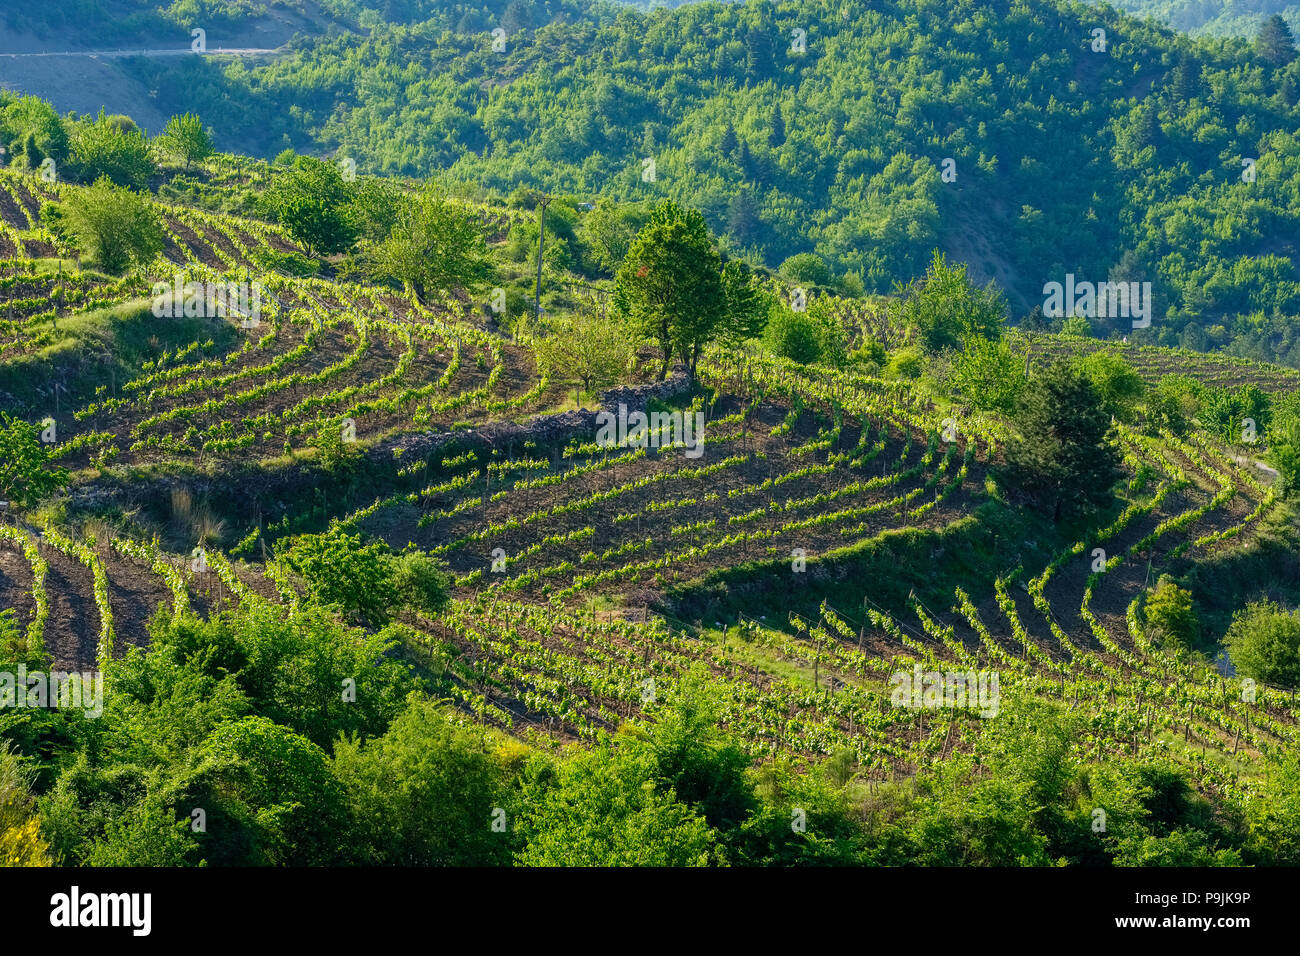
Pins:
x: 109, y: 344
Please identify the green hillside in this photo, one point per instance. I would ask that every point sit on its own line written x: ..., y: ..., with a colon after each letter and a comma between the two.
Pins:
x: 1126, y: 163
x: 635, y: 448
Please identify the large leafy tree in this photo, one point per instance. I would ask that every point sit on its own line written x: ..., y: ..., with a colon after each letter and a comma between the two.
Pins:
x: 25, y: 472
x: 670, y: 285
x: 1062, y: 457
x: 314, y: 203
x: 435, y: 246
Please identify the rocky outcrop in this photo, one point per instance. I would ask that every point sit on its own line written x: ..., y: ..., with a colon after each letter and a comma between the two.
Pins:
x: 540, y: 429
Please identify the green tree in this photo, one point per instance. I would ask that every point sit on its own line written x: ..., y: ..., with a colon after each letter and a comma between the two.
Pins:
x: 1117, y: 382
x: 32, y: 155
x: 1263, y: 643
x: 729, y: 143
x: 608, y: 231
x: 185, y: 136
x: 376, y: 205
x: 422, y: 583
x: 806, y: 267
x: 423, y: 794
x: 695, y: 760
x: 1274, y: 41
x: 1235, y: 416
x: 944, y: 306
x: 777, y: 136
x: 314, y: 203
x: 25, y: 473
x: 797, y: 336
x: 587, y: 349
x: 670, y: 284
x: 339, y: 569
x: 1077, y: 327
x: 745, y: 218
x: 113, y: 225
x: 277, y: 787
x: 1062, y: 457
x: 104, y: 148
x: 30, y: 117
x: 1172, y: 404
x: 988, y: 374
x: 964, y: 820
x: 747, y: 304
x: 1284, y: 443
x: 435, y: 246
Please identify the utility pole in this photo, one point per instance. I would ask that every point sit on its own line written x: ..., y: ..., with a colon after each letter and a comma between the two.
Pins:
x: 541, y: 240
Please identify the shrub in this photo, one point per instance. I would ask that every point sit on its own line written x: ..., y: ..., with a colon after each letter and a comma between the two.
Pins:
x: 1170, y: 615
x: 1263, y: 642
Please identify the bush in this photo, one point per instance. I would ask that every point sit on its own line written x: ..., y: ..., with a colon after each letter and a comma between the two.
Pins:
x: 21, y: 843
x: 1077, y: 326
x: 870, y: 355
x: 25, y: 475
x: 945, y: 307
x: 988, y: 374
x: 905, y: 363
x: 794, y: 335
x: 338, y: 569
x: 1170, y: 615
x: 106, y: 147
x: 1118, y: 384
x: 1263, y: 643
x: 112, y: 224
x: 422, y: 583
x: 423, y: 793
x: 1172, y: 404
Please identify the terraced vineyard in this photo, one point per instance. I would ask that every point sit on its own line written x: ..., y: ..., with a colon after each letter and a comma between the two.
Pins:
x: 1153, y: 362
x: 572, y: 558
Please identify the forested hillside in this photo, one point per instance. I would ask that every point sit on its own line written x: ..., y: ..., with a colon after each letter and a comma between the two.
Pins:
x: 1214, y: 17
x: 1123, y: 162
